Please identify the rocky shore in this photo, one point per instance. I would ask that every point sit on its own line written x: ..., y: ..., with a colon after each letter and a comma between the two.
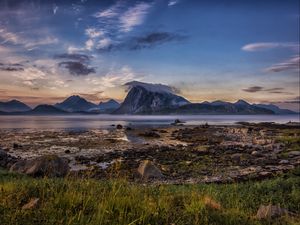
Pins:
x: 176, y: 154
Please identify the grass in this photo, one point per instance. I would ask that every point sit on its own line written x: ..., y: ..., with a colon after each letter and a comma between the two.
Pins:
x: 87, y: 201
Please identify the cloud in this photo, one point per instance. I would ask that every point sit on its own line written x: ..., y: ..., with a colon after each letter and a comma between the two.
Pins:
x: 159, y: 88
x: 55, y: 8
x: 155, y: 38
x: 277, y: 90
x: 104, y: 43
x: 77, y: 68
x: 111, y: 12
x: 253, y: 89
x: 28, y: 43
x: 93, y: 96
x: 94, y: 33
x: 89, y: 44
x: 269, y: 45
x: 149, y: 40
x: 78, y: 57
x: 291, y: 64
x: 11, y: 67
x: 134, y: 16
x: 173, y: 2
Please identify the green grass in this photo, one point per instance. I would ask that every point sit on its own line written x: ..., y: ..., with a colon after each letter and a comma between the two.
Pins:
x: 87, y: 201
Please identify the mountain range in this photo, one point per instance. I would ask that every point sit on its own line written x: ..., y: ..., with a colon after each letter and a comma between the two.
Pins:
x: 143, y: 98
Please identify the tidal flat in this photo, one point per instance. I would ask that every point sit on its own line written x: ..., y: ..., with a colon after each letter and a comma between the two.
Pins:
x: 208, y: 174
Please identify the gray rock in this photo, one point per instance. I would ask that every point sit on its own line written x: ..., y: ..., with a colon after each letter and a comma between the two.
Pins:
x: 237, y: 157
x: 5, y: 159
x: 294, y: 153
x: 270, y: 212
x: 284, y: 161
x: 256, y: 153
x: 147, y: 170
x: 49, y: 166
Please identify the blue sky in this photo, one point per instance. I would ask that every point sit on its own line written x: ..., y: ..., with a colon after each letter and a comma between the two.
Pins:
x: 208, y: 50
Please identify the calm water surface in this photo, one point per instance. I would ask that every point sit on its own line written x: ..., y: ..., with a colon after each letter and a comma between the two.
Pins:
x: 105, y: 121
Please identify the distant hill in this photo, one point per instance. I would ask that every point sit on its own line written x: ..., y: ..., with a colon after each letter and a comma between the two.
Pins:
x: 46, y: 109
x: 14, y: 106
x: 275, y: 109
x: 109, y: 106
x: 75, y: 103
x: 144, y: 98
x: 208, y: 108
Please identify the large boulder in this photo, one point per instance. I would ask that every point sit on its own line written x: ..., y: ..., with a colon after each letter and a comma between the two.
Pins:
x: 270, y: 212
x: 43, y: 166
x: 147, y: 170
x: 6, y: 160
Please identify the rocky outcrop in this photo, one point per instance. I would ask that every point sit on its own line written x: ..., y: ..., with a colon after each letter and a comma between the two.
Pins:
x: 44, y: 166
x: 6, y: 160
x: 270, y: 212
x: 147, y: 170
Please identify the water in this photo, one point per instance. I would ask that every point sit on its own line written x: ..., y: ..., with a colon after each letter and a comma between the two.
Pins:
x: 105, y: 121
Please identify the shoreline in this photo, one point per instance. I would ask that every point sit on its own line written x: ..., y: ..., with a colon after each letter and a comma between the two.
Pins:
x: 183, y: 153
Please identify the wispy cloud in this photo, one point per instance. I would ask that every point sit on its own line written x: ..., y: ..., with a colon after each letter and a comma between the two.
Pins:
x: 134, y: 16
x: 269, y: 45
x: 148, y: 40
x: 28, y: 43
x: 292, y: 64
x: 11, y: 67
x: 276, y: 90
x: 173, y: 2
x: 94, y: 33
x: 111, y: 12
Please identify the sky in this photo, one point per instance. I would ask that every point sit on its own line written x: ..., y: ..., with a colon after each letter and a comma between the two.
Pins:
x: 206, y: 50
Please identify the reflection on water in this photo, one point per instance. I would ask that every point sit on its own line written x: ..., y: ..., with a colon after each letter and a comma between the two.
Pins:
x: 106, y: 121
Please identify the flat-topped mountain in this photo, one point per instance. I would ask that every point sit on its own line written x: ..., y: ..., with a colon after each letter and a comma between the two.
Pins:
x: 144, y: 98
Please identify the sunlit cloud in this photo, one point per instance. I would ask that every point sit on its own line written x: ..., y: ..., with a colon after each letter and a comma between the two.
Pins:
x: 134, y: 16
x: 269, y: 45
x: 292, y: 64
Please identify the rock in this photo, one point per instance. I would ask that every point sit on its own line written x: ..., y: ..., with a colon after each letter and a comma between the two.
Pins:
x: 32, y: 204
x: 152, y: 134
x: 16, y: 145
x: 294, y: 153
x: 6, y: 160
x: 67, y: 151
x: 270, y: 212
x: 236, y: 157
x: 119, y: 126
x: 284, y: 161
x: 256, y: 153
x: 211, y: 203
x: 48, y: 165
x: 3, y: 158
x: 148, y: 170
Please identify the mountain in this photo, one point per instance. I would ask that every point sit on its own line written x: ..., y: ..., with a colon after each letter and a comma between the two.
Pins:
x: 228, y: 108
x: 46, y: 109
x: 275, y: 109
x: 145, y: 98
x: 75, y: 104
x: 14, y: 106
x: 108, y: 106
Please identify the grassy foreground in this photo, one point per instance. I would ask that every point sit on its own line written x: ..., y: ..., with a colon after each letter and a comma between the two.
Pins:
x: 87, y: 201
